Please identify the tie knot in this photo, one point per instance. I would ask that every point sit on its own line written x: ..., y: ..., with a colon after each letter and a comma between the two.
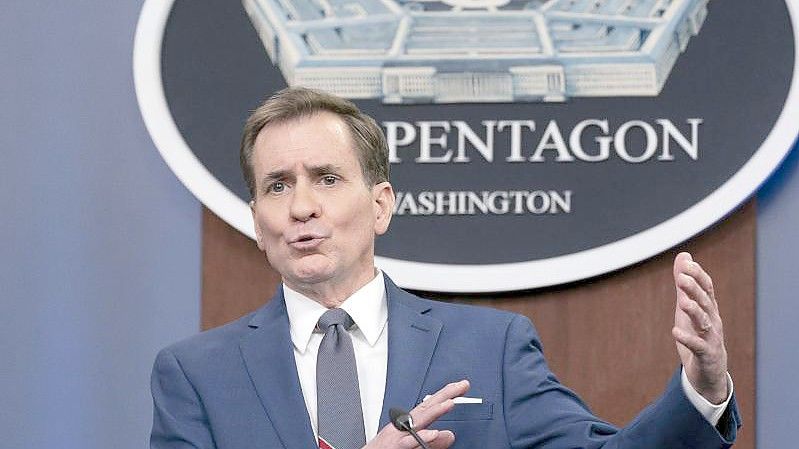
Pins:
x: 333, y: 317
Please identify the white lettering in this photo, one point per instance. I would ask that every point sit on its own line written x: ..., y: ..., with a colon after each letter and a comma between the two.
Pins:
x: 634, y: 141
x: 543, y: 205
x: 408, y: 136
x: 552, y: 140
x: 671, y: 132
x: 426, y: 200
x: 475, y: 200
x: 426, y: 142
x: 405, y: 204
x: 498, y: 202
x: 465, y: 132
x: 518, y: 201
x: 620, y: 141
x: 515, y: 137
x: 500, y: 208
x: 449, y: 201
x: 559, y: 202
x: 576, y: 144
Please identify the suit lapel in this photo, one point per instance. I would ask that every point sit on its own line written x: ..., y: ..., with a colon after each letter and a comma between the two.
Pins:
x: 269, y: 357
x: 412, y: 338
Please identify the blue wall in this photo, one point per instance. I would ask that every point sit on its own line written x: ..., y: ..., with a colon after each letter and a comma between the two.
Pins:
x: 100, y: 261
x: 777, y: 308
x: 100, y: 256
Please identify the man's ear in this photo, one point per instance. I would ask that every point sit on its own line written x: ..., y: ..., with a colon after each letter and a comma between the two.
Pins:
x: 258, y: 235
x: 383, y: 195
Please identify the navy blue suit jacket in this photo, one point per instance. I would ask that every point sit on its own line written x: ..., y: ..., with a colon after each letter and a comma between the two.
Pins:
x: 237, y: 387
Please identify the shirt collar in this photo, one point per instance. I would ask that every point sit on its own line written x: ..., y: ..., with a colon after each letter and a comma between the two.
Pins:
x: 367, y: 307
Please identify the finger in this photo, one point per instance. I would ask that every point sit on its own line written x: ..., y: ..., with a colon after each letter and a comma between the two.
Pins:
x: 438, y: 404
x: 449, y: 391
x: 694, y: 292
x: 427, y: 435
x: 680, y: 262
x: 444, y: 440
x: 704, y: 280
x: 429, y: 411
x: 433, y: 439
x: 700, y: 320
x: 693, y: 342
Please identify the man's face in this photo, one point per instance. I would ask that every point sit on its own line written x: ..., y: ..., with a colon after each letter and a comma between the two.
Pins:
x: 315, y: 218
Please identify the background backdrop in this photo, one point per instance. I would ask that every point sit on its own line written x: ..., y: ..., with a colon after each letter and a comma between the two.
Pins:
x: 100, y: 260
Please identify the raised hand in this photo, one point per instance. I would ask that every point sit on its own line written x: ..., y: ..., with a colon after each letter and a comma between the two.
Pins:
x: 699, y: 331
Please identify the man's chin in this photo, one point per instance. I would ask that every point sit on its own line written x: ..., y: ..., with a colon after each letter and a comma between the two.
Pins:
x: 311, y: 278
x: 311, y: 274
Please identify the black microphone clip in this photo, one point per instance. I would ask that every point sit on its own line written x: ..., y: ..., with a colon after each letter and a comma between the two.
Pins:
x: 402, y: 421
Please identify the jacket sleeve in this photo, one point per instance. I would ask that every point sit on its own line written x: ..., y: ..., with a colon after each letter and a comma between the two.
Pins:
x: 541, y: 413
x: 179, y: 418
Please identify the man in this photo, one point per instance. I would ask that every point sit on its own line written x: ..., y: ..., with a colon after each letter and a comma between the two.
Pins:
x: 340, y: 344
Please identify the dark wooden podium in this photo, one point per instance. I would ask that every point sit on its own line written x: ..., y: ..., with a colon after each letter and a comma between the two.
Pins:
x: 608, y: 338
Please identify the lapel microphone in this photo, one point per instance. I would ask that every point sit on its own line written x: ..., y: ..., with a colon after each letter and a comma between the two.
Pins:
x: 402, y: 421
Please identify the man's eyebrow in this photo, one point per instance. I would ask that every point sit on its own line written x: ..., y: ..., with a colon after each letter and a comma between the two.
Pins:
x: 274, y: 176
x: 324, y: 169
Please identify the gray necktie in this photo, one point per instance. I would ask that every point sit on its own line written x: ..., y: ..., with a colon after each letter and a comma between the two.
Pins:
x: 338, y: 396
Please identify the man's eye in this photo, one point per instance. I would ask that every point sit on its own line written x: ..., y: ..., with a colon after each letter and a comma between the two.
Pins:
x: 277, y: 187
x: 329, y: 180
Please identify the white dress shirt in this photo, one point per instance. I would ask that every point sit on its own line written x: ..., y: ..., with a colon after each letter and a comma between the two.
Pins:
x: 709, y: 410
x: 368, y: 308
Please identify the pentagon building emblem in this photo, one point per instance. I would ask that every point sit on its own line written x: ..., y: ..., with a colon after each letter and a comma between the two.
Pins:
x: 453, y: 51
x: 531, y: 142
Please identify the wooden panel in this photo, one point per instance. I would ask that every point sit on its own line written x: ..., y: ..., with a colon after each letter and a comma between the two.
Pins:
x: 608, y: 338
x: 237, y: 278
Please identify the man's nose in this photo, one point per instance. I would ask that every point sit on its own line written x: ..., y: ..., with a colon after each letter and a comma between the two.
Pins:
x: 305, y: 203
